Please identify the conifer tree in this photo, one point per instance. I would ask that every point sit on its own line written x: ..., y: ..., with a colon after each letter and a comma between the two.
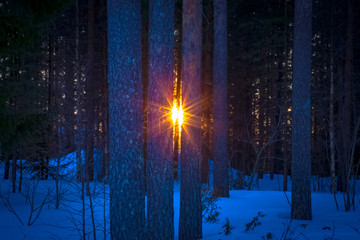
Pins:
x: 160, y: 183
x: 127, y: 199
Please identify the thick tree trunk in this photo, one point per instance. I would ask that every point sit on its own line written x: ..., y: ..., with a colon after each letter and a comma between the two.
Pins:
x: 221, y: 158
x: 190, y: 223
x: 160, y: 180
x: 301, y: 109
x: 127, y: 198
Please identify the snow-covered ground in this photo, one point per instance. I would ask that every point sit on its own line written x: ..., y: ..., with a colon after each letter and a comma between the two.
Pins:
x: 241, y: 209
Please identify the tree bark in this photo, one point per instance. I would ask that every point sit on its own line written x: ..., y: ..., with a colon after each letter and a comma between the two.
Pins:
x: 301, y: 109
x: 160, y: 180
x: 190, y: 223
x: 206, y: 90
x: 127, y: 198
x: 221, y: 159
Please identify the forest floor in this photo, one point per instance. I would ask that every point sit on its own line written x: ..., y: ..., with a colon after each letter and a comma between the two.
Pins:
x: 265, y: 211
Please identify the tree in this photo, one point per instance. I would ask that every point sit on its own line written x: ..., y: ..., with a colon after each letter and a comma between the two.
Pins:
x: 160, y: 183
x: 301, y: 108
x: 221, y: 159
x: 127, y: 199
x: 90, y: 95
x: 190, y: 223
x: 206, y: 89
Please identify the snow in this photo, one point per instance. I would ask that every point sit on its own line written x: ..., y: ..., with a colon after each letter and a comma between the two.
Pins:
x: 240, y: 209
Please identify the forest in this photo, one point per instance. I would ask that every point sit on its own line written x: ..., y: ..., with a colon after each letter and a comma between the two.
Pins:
x: 179, y: 119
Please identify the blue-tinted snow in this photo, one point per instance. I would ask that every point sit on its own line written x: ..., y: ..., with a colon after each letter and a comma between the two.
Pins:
x: 240, y: 208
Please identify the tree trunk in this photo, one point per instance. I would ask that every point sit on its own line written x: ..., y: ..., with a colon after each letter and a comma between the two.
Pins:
x: 13, y: 169
x: 301, y: 109
x: 21, y: 175
x: 190, y: 222
x: 78, y: 89
x: 127, y: 198
x: 160, y: 180
x: 284, y: 97
x: 7, y: 166
x: 90, y: 96
x: 221, y: 159
x: 348, y: 97
x: 331, y: 120
x: 206, y: 84
x: 145, y: 75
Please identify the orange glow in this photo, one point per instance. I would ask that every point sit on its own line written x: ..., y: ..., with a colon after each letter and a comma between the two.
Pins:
x: 177, y: 114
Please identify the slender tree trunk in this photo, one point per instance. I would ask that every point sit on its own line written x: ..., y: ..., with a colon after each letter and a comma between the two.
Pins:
x: 83, y: 213
x: 331, y: 127
x: 21, y: 175
x: 127, y: 198
x: 47, y: 159
x: 348, y: 85
x: 7, y: 166
x: 90, y: 96
x: 190, y: 222
x: 301, y: 109
x: 57, y: 176
x: 284, y: 98
x: 79, y: 125
x: 145, y: 76
x: 13, y: 169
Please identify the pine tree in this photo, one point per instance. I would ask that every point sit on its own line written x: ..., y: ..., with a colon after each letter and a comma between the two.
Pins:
x: 221, y: 159
x: 160, y: 183
x: 127, y: 200
x: 190, y: 223
x: 301, y: 109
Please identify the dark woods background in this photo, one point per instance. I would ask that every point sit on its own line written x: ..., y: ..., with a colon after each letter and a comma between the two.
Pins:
x: 54, y: 97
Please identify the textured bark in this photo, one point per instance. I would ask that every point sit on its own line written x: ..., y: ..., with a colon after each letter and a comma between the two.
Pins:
x: 301, y: 108
x: 159, y: 168
x: 190, y: 223
x: 221, y: 160
x: 127, y: 198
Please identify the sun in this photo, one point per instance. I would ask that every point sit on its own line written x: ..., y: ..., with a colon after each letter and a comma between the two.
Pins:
x: 177, y: 114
